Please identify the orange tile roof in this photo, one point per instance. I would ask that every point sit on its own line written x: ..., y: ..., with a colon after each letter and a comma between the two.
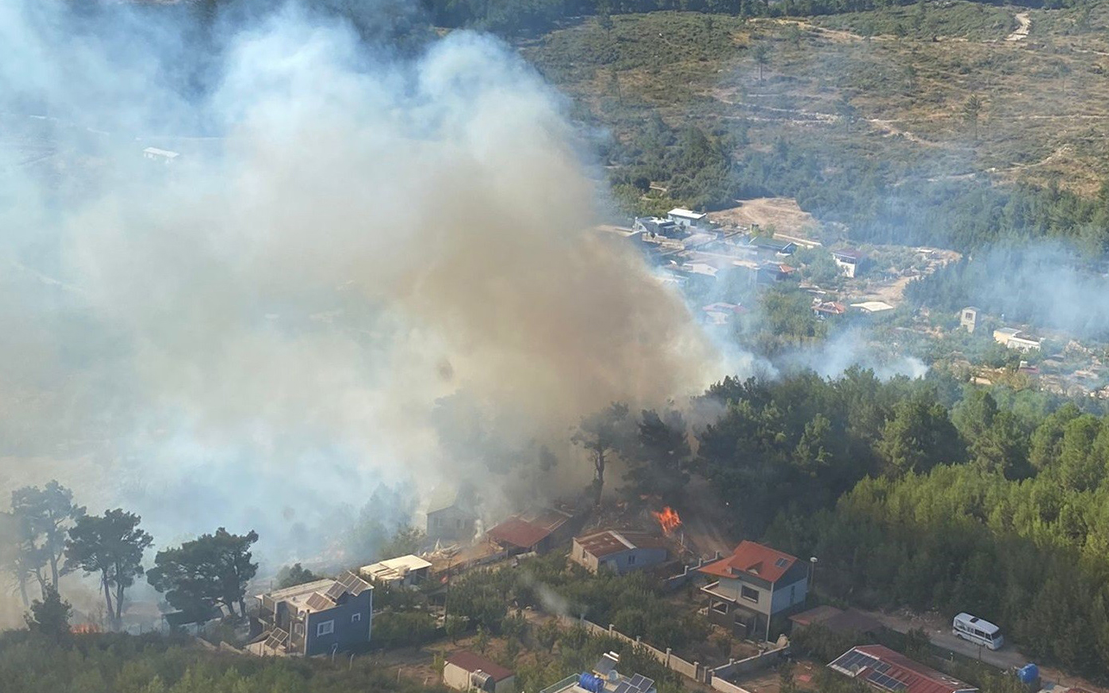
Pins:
x: 754, y: 559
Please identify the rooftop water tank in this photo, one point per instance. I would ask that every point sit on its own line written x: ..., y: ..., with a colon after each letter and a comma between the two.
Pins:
x: 591, y: 683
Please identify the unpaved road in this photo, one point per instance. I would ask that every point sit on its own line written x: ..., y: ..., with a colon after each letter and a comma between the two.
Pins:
x: 940, y: 635
x: 1021, y: 32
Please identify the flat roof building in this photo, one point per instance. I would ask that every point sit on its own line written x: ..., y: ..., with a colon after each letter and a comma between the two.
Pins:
x: 403, y: 571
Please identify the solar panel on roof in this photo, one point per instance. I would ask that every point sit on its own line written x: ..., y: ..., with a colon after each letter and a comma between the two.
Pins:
x: 277, y: 639
x: 636, y: 681
x: 646, y: 685
x: 882, y: 667
x: 623, y: 687
x: 335, y: 591
x: 781, y: 562
x: 318, y: 602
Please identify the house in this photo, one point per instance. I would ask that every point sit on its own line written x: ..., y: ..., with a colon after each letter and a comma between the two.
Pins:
x: 721, y: 313
x: 779, y: 247
x: 684, y: 217
x: 847, y: 261
x: 823, y: 309
x: 466, y: 671
x: 162, y: 156
x: 968, y: 318
x: 451, y: 513
x: 404, y: 571
x: 1013, y: 338
x: 772, y: 272
x: 892, y: 672
x: 851, y: 622
x: 618, y: 551
x: 655, y: 226
x: 753, y: 585
x: 536, y: 532
x: 604, y: 678
x: 320, y: 617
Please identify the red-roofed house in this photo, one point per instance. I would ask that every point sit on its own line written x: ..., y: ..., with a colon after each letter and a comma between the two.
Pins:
x: 753, y: 585
x: 885, y: 670
x: 535, y: 531
x: 466, y: 671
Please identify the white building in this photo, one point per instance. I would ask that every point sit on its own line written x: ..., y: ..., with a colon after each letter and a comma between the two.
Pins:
x: 162, y: 156
x: 603, y: 679
x: 847, y: 261
x: 404, y: 571
x: 686, y: 217
x: 1015, y: 339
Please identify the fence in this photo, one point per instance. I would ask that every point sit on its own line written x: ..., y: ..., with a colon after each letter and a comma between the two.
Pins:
x: 725, y: 686
x: 693, y: 670
x: 688, y: 573
x: 750, y: 664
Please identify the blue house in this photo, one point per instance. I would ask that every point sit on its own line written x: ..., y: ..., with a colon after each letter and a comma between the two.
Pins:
x: 317, y: 618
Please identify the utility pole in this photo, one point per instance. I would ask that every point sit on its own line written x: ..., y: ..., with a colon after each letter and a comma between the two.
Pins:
x: 812, y: 575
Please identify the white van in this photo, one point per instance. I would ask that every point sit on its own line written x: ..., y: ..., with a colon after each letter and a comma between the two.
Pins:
x: 977, y: 631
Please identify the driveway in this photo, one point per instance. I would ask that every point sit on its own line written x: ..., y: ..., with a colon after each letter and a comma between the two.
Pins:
x: 940, y: 634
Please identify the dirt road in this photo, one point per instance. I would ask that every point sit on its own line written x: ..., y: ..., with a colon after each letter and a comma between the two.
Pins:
x: 1021, y: 32
x: 940, y: 634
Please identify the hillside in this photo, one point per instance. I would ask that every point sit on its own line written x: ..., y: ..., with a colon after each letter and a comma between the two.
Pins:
x: 929, y: 101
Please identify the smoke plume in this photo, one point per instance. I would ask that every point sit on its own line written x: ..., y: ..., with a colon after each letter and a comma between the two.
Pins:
x: 357, y: 261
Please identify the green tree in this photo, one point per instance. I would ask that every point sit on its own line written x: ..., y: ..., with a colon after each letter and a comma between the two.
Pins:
x: 50, y: 616
x: 761, y: 55
x: 293, y: 575
x: 971, y: 110
x: 547, y: 634
x: 212, y: 569
x: 455, y: 627
x: 600, y: 434
x: 111, y: 545
x: 919, y: 436
x: 44, y: 516
x: 407, y: 540
x: 658, y: 456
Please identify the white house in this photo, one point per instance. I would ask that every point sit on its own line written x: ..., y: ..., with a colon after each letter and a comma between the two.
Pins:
x: 404, y: 571
x: 686, y: 217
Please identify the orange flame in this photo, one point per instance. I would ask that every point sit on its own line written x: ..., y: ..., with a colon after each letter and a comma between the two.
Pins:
x: 85, y: 628
x: 668, y: 519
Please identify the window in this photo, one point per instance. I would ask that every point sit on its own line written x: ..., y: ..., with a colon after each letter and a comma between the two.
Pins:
x: 749, y: 593
x: 781, y: 562
x: 355, y: 618
x: 325, y: 628
x: 720, y: 607
x: 631, y: 559
x: 792, y: 593
x: 299, y: 629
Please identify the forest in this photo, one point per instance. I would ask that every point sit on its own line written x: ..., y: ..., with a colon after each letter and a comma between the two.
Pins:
x: 929, y: 494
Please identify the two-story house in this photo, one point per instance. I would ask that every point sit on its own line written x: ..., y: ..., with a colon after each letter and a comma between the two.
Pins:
x: 753, y: 585
x: 315, y: 618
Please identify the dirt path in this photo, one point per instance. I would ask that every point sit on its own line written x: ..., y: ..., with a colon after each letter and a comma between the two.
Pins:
x: 1021, y: 32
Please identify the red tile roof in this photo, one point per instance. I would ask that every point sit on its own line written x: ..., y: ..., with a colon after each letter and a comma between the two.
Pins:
x: 913, y: 676
x: 518, y: 533
x: 472, y: 662
x: 755, y: 559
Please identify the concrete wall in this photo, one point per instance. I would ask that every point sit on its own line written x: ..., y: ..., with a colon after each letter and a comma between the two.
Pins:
x: 750, y: 664
x: 693, y: 670
x: 633, y: 559
x: 726, y: 687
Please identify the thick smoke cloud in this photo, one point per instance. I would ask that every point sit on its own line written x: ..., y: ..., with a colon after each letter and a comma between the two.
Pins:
x: 352, y: 250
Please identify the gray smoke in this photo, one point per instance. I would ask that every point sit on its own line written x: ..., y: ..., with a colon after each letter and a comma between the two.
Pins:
x: 267, y: 333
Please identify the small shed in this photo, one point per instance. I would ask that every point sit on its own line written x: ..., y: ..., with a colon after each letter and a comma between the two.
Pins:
x: 467, y: 671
